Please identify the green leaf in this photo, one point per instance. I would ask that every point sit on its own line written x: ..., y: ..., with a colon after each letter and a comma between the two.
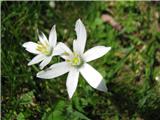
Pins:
x: 57, y: 113
x: 27, y: 98
x: 80, y: 116
x: 20, y: 116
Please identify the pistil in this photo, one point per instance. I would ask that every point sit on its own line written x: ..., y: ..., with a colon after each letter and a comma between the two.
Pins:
x: 75, y: 60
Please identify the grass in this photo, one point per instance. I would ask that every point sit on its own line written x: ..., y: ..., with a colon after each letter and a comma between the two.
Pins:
x: 131, y: 69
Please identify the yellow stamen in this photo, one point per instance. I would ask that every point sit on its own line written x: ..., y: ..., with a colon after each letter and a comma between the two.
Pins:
x: 44, y: 48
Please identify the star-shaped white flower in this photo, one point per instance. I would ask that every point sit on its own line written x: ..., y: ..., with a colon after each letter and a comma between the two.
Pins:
x: 76, y: 62
x: 45, y: 49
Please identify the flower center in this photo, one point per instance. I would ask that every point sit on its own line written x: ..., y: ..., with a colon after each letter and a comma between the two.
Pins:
x: 44, y: 48
x: 75, y: 60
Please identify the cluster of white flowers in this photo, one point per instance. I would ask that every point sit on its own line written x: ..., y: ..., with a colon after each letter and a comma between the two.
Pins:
x: 74, y: 62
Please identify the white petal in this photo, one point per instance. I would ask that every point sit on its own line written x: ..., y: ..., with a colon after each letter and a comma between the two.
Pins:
x: 43, y: 39
x: 53, y: 36
x: 80, y: 43
x: 65, y: 51
x: 55, y: 70
x: 64, y: 47
x: 75, y: 46
x: 58, y: 50
x: 72, y: 81
x: 45, y: 62
x: 93, y: 77
x: 36, y: 59
x: 95, y: 52
x: 31, y: 47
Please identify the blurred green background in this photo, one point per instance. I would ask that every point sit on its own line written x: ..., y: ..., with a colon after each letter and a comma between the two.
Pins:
x: 131, y: 69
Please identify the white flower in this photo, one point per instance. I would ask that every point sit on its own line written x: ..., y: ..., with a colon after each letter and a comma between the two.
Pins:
x: 44, y: 49
x: 76, y: 62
